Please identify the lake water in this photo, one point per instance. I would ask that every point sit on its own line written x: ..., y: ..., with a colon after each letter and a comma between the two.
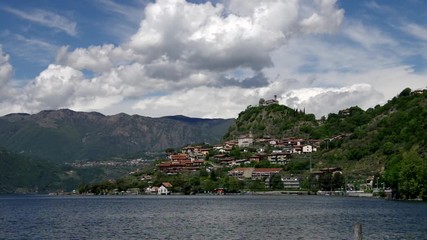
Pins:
x: 208, y: 217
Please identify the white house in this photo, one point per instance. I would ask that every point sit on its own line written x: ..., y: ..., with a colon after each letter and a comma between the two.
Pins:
x: 308, y: 149
x: 164, y: 189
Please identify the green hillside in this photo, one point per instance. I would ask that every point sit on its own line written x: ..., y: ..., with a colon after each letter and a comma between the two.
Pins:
x: 22, y: 174
x: 388, y: 141
x: 274, y: 120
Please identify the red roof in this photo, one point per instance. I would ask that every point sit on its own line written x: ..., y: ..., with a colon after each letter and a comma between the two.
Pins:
x: 267, y: 170
x: 178, y: 157
x: 167, y: 184
x: 241, y: 169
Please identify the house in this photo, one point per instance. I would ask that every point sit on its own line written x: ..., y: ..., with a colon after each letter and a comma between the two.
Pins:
x: 280, y: 158
x: 297, y: 149
x: 164, y: 189
x: 291, y: 183
x: 179, y: 157
x: 245, y: 140
x: 260, y: 173
x: 241, y: 172
x: 332, y: 170
x: 270, y: 101
x: 254, y: 158
x: 308, y: 149
x: 180, y: 166
x: 151, y: 190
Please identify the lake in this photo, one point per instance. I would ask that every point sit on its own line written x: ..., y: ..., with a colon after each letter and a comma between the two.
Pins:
x: 208, y: 217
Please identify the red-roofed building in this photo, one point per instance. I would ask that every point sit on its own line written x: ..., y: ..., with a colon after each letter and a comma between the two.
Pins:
x: 254, y: 173
x: 260, y: 173
x: 165, y: 188
x: 241, y: 172
x: 180, y: 166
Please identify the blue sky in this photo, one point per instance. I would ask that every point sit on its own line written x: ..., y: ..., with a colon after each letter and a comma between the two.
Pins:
x: 204, y: 59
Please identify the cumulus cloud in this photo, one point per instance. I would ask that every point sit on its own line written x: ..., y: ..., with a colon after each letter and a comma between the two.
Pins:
x: 179, y: 47
x: 322, y: 101
x: 213, y: 60
x: 219, y: 38
x: 95, y: 58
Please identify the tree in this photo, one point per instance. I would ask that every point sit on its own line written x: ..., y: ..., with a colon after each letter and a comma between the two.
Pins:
x: 256, y: 185
x: 412, y: 175
x: 276, y: 182
x: 325, y: 181
x: 405, y: 92
x: 337, y: 181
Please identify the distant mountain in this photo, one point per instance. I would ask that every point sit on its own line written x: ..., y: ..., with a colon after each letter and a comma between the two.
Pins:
x: 65, y: 135
x: 23, y: 175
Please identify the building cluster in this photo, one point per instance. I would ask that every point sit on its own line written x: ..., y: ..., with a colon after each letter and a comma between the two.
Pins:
x: 279, y: 154
x: 289, y: 182
x: 192, y: 158
x: 181, y: 163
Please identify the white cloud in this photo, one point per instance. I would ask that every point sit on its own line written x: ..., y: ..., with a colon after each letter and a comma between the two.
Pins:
x: 367, y: 36
x: 322, y: 101
x: 201, y: 101
x: 416, y: 30
x: 95, y: 58
x: 181, y: 46
x: 6, y: 69
x: 46, y: 18
x: 213, y: 38
x: 213, y: 60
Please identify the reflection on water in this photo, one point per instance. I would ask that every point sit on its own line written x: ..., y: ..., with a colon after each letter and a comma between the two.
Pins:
x: 208, y: 217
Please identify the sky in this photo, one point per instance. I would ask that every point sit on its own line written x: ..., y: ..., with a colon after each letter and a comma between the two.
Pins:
x: 208, y: 59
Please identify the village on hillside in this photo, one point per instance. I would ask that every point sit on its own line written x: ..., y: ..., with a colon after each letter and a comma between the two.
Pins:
x: 250, y: 158
x: 276, y: 152
x: 245, y: 163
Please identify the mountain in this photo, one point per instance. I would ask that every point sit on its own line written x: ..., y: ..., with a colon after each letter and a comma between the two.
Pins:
x: 22, y: 174
x: 65, y: 135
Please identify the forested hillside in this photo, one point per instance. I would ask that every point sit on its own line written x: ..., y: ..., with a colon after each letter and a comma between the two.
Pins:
x: 22, y: 174
x: 274, y: 120
x: 388, y: 141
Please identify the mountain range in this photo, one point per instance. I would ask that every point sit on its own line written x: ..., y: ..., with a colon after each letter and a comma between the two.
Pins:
x: 65, y: 136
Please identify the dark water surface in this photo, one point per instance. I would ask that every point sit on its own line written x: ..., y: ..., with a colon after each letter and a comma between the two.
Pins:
x: 208, y: 217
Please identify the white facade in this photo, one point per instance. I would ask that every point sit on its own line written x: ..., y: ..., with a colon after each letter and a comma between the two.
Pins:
x: 308, y: 149
x: 162, y: 190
